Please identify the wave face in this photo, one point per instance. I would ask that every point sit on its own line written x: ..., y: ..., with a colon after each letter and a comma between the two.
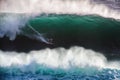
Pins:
x: 90, y: 31
x: 74, y: 63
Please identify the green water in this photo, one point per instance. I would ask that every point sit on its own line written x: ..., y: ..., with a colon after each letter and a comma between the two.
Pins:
x: 87, y: 31
x: 87, y: 26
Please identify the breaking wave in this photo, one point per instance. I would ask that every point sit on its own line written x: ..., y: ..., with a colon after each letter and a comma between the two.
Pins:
x: 10, y: 25
x: 58, y: 63
x: 90, y: 22
x: 60, y: 57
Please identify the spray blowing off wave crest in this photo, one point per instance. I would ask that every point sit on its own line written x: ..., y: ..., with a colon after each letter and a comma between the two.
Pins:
x: 73, y: 57
x: 10, y: 25
x: 79, y: 7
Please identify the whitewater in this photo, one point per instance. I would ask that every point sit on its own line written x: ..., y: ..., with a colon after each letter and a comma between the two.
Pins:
x: 59, y: 63
x: 23, y: 17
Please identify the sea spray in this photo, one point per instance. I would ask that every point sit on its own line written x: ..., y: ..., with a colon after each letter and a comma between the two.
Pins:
x: 78, y: 7
x: 10, y: 25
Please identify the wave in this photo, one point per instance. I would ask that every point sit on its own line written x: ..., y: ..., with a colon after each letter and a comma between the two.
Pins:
x: 84, y: 21
x: 74, y: 63
x: 89, y: 31
x: 31, y: 9
x: 63, y: 58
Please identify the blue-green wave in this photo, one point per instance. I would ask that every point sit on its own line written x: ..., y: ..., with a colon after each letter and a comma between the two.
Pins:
x: 90, y: 31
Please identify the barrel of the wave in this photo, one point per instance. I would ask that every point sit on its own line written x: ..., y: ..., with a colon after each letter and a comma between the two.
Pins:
x: 77, y: 30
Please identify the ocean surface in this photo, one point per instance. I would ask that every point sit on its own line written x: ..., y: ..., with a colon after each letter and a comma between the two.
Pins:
x: 60, y: 40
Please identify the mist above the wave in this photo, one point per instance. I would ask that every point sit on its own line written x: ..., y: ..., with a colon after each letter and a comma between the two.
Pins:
x: 79, y: 7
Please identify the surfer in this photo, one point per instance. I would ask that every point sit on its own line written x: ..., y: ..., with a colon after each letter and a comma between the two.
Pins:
x: 40, y: 36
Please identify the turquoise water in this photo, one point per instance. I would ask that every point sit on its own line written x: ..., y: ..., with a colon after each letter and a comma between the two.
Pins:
x: 43, y: 73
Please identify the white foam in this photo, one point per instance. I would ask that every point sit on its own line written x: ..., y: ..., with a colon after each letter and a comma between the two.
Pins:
x: 10, y: 25
x: 79, y: 7
x: 58, y: 58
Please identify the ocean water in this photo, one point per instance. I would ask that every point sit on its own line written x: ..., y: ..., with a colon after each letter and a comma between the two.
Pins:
x: 59, y: 40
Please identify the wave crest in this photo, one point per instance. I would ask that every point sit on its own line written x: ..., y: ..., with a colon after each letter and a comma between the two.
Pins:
x: 78, y: 7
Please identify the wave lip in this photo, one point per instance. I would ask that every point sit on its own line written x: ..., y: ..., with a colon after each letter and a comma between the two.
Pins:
x: 78, y: 7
